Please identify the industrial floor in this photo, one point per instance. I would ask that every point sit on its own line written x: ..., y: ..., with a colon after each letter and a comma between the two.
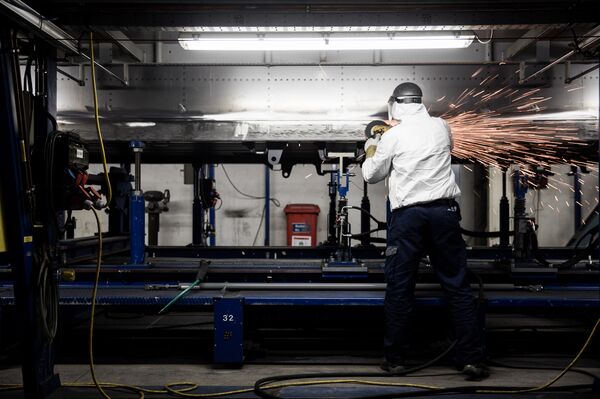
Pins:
x: 143, y: 350
x: 217, y: 379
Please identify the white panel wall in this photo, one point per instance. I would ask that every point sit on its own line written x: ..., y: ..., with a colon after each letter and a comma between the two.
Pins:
x: 238, y: 220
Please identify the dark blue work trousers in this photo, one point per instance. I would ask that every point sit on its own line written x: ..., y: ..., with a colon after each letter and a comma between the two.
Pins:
x: 429, y: 229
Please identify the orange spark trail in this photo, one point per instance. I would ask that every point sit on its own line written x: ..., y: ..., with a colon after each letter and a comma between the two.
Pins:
x: 485, y: 131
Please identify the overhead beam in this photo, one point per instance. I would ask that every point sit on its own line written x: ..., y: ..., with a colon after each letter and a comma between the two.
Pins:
x: 233, y: 13
x: 532, y: 36
x: 126, y: 44
x: 591, y: 38
x: 21, y: 13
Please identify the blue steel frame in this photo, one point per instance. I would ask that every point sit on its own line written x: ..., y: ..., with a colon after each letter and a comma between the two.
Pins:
x: 134, y: 294
x: 267, y: 229
x: 137, y: 218
x: 228, y: 307
x: 39, y: 379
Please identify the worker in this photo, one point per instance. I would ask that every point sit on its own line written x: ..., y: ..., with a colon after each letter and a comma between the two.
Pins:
x: 415, y: 155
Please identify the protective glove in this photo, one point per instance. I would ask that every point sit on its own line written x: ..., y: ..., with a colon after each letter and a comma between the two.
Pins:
x: 371, y: 145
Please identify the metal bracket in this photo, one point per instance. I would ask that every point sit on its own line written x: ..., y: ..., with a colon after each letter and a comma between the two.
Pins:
x: 274, y: 157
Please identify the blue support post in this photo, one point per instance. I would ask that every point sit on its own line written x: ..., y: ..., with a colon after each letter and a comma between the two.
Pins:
x: 267, y: 206
x: 229, y: 330
x: 137, y: 216
x: 137, y: 227
x: 211, y: 212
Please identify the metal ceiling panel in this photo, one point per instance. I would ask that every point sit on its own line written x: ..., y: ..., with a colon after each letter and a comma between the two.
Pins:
x: 287, y: 102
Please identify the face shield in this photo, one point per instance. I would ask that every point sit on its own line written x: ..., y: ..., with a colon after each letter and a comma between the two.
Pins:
x: 397, y: 106
x: 391, y: 103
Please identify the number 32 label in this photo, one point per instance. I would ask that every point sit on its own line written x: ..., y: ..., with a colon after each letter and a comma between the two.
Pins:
x: 228, y: 317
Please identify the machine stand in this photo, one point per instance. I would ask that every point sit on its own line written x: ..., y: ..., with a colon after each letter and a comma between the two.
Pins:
x: 229, y: 330
x: 137, y: 215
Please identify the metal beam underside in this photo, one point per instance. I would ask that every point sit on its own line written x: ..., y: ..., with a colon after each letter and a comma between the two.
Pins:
x: 319, y: 13
x: 234, y: 113
x: 526, y: 40
x: 126, y: 44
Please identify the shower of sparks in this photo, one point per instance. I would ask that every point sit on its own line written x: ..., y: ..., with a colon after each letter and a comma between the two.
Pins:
x: 488, y: 128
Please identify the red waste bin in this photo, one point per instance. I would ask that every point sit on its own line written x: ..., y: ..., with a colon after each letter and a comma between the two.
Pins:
x: 302, y: 224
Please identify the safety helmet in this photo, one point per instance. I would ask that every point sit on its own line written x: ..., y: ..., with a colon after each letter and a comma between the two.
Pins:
x: 406, y: 93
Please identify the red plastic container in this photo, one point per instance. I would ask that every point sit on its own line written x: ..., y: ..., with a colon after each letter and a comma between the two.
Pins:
x: 302, y: 224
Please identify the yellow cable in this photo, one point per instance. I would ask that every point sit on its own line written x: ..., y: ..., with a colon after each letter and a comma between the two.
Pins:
x: 93, y: 310
x: 558, y: 376
x: 97, y: 119
x: 352, y: 381
x: 182, y: 392
x: 178, y: 392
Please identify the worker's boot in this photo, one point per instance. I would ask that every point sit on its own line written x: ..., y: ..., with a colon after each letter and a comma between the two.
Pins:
x: 391, y: 367
x: 476, y: 371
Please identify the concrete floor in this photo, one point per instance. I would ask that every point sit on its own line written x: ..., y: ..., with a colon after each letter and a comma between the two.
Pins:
x: 208, y: 376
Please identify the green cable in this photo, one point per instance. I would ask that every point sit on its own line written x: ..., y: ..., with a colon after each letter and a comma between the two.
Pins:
x: 182, y: 293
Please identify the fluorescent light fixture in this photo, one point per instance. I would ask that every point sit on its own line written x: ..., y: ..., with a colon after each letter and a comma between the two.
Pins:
x: 323, y: 41
x: 298, y: 29
x: 135, y: 124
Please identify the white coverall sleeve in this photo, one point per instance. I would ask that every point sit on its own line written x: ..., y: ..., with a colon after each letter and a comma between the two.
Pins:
x: 449, y: 134
x: 378, y: 167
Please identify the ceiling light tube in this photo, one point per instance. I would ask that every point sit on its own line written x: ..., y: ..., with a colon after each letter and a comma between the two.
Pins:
x: 323, y: 42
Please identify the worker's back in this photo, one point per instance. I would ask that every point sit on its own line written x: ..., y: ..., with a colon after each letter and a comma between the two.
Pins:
x: 421, y: 168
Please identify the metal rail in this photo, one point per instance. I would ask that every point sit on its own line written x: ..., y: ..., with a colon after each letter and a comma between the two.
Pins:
x: 31, y: 18
x: 80, y: 82
x: 592, y: 37
x: 321, y: 286
x: 572, y: 78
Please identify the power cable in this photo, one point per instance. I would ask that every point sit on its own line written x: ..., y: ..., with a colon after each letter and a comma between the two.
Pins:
x: 97, y: 120
x: 262, y: 384
x: 498, y: 364
x: 48, y: 295
x: 93, y: 308
x: 261, y: 390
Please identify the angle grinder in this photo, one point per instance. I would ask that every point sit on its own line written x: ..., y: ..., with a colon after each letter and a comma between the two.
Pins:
x: 376, y: 127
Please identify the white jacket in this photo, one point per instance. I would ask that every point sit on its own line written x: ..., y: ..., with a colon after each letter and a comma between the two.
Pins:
x: 415, y: 154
